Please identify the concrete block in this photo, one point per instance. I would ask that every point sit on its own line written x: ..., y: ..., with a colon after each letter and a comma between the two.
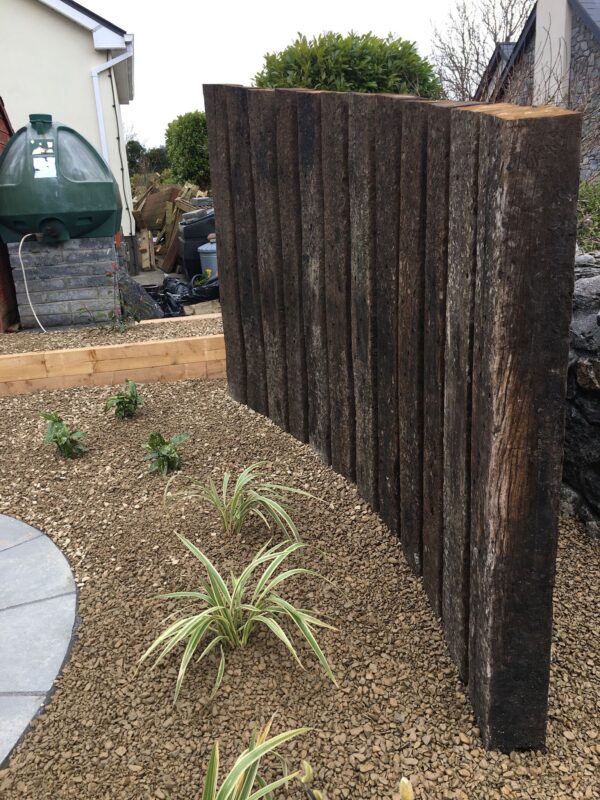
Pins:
x: 16, y: 712
x: 35, y: 638
x: 14, y: 532
x: 35, y: 570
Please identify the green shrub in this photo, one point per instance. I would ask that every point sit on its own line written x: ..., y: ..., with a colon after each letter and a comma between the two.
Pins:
x: 588, y: 216
x: 68, y: 442
x: 352, y: 63
x: 187, y: 148
x: 251, y: 495
x: 162, y: 453
x: 240, y: 781
x: 228, y: 614
x: 125, y: 403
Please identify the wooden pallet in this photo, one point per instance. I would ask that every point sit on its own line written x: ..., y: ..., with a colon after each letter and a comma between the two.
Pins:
x: 143, y: 362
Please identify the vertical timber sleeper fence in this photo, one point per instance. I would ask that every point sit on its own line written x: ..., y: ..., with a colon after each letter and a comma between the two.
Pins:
x: 396, y: 288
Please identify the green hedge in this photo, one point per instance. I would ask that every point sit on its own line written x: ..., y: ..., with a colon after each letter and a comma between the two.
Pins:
x: 352, y: 63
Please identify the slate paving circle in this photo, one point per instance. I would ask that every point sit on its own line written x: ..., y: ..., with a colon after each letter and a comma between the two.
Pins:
x: 38, y: 613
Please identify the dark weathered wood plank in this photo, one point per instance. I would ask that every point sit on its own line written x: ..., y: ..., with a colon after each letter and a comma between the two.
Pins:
x: 462, y: 232
x: 262, y: 113
x: 434, y: 333
x: 218, y: 149
x: 462, y: 241
x: 245, y: 232
x: 313, y: 272
x: 336, y: 215
x: 361, y: 157
x: 410, y: 328
x: 291, y: 251
x: 388, y: 137
x: 528, y: 181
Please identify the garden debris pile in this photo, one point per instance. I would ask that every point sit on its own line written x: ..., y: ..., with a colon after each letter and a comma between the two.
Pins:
x: 111, y: 731
x: 157, y: 211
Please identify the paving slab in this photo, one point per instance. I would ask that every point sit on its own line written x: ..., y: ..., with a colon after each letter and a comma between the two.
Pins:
x: 33, y: 570
x: 16, y: 712
x: 38, y: 610
x: 35, y: 638
x: 14, y: 532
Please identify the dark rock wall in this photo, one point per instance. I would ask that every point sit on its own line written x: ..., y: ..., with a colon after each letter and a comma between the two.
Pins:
x: 581, y: 466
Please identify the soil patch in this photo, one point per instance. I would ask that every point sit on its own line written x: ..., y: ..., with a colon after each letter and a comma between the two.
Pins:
x: 32, y: 341
x: 111, y: 730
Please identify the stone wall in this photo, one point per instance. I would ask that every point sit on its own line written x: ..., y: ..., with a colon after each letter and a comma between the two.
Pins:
x: 69, y: 282
x: 581, y: 466
x: 584, y: 93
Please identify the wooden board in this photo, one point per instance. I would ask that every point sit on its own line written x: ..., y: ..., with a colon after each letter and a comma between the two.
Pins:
x: 336, y: 216
x: 520, y: 356
x: 410, y: 328
x: 462, y: 235
x: 361, y: 159
x: 263, y: 149
x: 242, y: 194
x: 290, y: 230
x: 313, y: 272
x: 434, y: 333
x: 146, y: 362
x: 388, y: 142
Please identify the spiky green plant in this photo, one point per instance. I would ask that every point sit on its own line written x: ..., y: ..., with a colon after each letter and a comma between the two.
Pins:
x: 250, y: 495
x: 229, y: 613
x: 243, y: 782
x: 68, y: 442
x: 126, y: 402
x: 162, y: 453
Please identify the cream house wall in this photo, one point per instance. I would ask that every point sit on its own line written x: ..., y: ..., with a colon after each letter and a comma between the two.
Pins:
x: 45, y: 67
x: 552, y: 52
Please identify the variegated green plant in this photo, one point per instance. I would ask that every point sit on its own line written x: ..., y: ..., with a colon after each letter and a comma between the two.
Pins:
x: 250, y: 495
x: 243, y: 781
x: 228, y: 613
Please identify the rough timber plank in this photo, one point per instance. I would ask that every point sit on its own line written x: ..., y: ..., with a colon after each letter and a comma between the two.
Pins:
x: 229, y: 290
x: 291, y: 251
x: 313, y: 273
x: 434, y: 305
x: 336, y: 213
x: 519, y: 374
x: 361, y: 158
x: 388, y: 137
x: 242, y: 190
x: 462, y: 233
x: 410, y: 328
x: 262, y: 112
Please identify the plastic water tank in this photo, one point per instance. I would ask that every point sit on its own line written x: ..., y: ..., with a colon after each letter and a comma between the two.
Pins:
x: 53, y: 182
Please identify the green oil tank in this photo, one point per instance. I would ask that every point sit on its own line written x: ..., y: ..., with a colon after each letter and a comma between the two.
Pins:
x: 53, y: 182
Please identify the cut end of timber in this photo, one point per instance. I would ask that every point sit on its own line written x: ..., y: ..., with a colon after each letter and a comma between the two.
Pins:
x: 510, y: 112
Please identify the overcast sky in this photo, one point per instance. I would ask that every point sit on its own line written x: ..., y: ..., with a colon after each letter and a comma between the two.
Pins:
x: 181, y: 44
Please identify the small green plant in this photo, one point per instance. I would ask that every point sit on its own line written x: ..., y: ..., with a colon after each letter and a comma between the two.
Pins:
x: 243, y: 782
x: 588, y: 216
x: 68, y: 442
x: 228, y: 614
x: 251, y: 495
x: 162, y: 453
x: 125, y: 403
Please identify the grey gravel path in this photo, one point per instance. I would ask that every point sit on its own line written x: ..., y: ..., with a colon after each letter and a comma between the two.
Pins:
x: 38, y: 605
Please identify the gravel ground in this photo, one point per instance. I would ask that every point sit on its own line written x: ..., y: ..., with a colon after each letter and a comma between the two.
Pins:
x: 29, y: 342
x: 111, y: 730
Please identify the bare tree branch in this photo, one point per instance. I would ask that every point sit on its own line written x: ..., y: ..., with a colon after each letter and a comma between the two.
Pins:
x: 464, y: 46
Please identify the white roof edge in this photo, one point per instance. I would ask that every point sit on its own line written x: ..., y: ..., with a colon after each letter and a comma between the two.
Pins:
x: 104, y: 38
